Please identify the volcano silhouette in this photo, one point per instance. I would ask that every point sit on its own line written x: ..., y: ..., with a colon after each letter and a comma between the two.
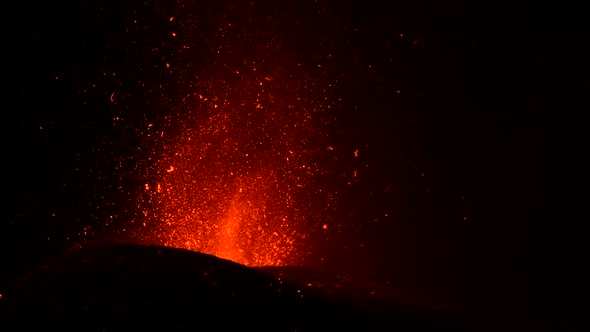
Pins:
x: 111, y: 287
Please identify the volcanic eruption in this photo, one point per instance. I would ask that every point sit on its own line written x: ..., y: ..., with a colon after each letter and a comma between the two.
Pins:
x: 241, y: 166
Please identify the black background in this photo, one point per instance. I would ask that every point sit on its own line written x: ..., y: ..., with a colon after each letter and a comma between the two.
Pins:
x: 486, y: 114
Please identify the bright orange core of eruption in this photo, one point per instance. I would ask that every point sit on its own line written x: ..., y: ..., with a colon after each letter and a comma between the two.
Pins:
x: 239, y: 227
x: 239, y: 177
x: 241, y: 235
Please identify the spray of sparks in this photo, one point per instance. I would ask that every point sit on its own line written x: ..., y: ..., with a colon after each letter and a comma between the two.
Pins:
x: 238, y: 171
x: 229, y: 187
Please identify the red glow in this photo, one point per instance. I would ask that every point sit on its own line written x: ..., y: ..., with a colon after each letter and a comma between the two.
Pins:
x: 239, y: 179
x: 241, y: 161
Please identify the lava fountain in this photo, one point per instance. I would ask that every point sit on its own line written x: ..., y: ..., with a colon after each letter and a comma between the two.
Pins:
x: 243, y: 160
x: 240, y: 176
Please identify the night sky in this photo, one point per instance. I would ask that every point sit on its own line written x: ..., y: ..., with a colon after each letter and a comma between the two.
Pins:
x: 401, y: 143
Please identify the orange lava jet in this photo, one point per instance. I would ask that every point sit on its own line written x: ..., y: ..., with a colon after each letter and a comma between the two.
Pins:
x: 239, y: 182
x: 241, y: 162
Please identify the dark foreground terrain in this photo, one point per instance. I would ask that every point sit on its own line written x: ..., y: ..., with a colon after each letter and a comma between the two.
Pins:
x: 114, y: 287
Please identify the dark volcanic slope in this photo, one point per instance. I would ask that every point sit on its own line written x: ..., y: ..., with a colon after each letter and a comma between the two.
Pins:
x: 130, y: 287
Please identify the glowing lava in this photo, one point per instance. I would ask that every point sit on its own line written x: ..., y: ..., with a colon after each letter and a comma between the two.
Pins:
x: 238, y: 167
x: 238, y: 181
